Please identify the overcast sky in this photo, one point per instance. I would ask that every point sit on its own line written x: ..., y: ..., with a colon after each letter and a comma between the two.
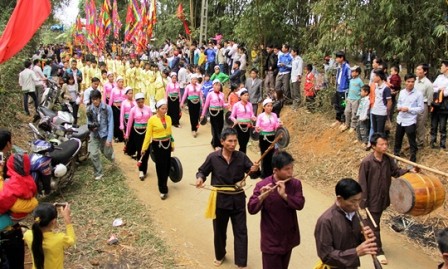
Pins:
x: 68, y: 13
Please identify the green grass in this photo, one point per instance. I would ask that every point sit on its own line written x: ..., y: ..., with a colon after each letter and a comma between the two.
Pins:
x: 95, y: 204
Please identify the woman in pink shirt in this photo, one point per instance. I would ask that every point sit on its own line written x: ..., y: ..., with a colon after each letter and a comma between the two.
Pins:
x: 214, y: 103
x: 108, y: 86
x: 194, y: 95
x: 242, y: 117
x: 126, y: 106
x: 172, y: 94
x: 136, y: 130
x: 267, y: 124
x: 117, y: 96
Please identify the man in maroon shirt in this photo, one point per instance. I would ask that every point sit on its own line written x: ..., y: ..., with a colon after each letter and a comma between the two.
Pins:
x: 278, y: 197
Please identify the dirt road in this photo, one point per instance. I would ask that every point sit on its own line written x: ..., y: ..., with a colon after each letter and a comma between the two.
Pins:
x: 180, y: 219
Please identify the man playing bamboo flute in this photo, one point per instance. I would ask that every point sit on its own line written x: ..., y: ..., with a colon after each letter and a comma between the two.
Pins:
x: 338, y: 232
x: 227, y: 167
x: 375, y: 177
x: 278, y: 197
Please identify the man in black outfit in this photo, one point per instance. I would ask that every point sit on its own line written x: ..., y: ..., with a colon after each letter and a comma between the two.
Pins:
x: 228, y: 168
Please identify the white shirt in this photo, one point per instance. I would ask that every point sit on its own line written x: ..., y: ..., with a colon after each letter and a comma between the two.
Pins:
x: 297, y: 68
x: 182, y: 76
x: 441, y: 82
x: 38, y: 71
x: 86, y: 98
x: 27, y: 80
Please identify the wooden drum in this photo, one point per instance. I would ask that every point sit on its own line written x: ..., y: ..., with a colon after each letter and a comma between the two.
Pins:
x: 416, y: 194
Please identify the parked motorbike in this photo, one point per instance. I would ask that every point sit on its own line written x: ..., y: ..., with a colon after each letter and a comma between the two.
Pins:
x: 58, y: 127
x: 51, y: 94
x: 53, y: 167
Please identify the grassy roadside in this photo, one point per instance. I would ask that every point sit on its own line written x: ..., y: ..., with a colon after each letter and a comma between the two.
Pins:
x: 95, y: 205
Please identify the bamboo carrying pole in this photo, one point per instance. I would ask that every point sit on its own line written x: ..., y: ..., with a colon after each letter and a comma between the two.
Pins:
x: 417, y: 165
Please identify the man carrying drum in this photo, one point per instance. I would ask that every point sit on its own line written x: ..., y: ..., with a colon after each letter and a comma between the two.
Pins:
x: 375, y: 177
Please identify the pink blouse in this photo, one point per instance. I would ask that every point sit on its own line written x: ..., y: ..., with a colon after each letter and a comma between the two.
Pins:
x: 117, y: 96
x: 242, y: 113
x: 138, y: 116
x: 192, y: 92
x: 108, y: 87
x: 126, y: 106
x: 267, y: 122
x: 213, y: 100
x: 172, y: 89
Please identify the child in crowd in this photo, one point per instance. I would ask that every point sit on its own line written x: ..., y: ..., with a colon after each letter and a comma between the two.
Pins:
x: 394, y: 83
x: 309, y: 88
x: 47, y: 247
x: 352, y: 100
x: 363, y: 117
x: 233, y: 96
x: 207, y: 86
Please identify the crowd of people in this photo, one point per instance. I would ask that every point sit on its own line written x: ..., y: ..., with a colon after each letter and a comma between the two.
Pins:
x: 138, y: 99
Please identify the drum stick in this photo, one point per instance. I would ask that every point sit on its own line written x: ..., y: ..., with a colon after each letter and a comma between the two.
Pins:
x: 371, y: 218
x: 242, y: 182
x: 376, y: 263
x: 417, y: 165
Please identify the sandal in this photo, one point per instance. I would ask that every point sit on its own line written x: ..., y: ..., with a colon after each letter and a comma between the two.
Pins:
x: 218, y: 263
x: 382, y: 259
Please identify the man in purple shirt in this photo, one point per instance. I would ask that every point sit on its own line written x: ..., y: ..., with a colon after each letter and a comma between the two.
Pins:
x: 278, y: 197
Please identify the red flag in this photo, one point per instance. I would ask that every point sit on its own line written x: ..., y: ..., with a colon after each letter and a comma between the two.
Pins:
x: 27, y: 17
x: 180, y: 14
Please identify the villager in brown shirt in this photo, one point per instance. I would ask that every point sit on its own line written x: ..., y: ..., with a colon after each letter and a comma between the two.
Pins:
x: 375, y: 177
x: 338, y: 231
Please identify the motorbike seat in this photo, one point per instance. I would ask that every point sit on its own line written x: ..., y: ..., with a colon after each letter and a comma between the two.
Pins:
x: 82, y: 132
x: 65, y: 151
x: 48, y: 112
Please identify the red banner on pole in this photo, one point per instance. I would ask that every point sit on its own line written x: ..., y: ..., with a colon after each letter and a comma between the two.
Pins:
x: 27, y: 17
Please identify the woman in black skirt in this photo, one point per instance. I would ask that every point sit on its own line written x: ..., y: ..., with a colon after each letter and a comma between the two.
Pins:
x: 172, y: 94
x: 214, y: 103
x: 136, y: 130
x: 159, y: 135
x: 194, y: 95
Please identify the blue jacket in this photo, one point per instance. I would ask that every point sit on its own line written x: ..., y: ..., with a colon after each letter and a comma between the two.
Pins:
x: 345, y: 78
x: 206, y: 88
x: 105, y: 119
x: 211, y: 54
x: 286, y: 59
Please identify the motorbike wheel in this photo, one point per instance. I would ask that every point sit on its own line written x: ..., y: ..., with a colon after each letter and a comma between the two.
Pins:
x: 84, y: 153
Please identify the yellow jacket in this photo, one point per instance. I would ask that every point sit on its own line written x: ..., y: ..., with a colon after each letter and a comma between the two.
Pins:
x: 155, y: 130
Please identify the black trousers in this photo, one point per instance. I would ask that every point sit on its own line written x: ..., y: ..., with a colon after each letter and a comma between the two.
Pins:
x: 377, y: 231
x: 339, y: 106
x: 438, y: 123
x: 266, y: 163
x: 217, y: 123
x: 118, y: 134
x: 243, y: 137
x: 75, y: 108
x: 174, y: 111
x: 136, y: 141
x: 194, y: 109
x: 411, y: 133
x: 25, y: 101
x: 378, y: 123
x: 12, y: 249
x: 163, y: 164
x: 239, y: 227
x: 276, y: 261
